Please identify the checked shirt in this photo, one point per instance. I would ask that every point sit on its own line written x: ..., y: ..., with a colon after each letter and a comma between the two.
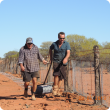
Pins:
x: 29, y: 58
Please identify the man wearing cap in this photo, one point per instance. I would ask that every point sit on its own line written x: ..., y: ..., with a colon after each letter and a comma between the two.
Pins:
x: 28, y: 61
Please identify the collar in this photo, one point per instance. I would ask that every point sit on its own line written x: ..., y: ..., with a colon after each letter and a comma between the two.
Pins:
x: 58, y: 41
x: 27, y: 47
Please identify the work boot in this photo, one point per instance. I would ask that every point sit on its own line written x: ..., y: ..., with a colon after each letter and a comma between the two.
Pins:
x: 55, y: 90
x: 25, y: 93
x: 58, y: 93
x: 33, y: 96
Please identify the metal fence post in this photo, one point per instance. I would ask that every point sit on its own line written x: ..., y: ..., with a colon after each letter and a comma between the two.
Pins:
x: 97, y: 99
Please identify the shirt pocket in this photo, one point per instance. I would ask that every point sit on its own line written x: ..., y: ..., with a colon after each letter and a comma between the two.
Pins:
x: 27, y: 55
x: 63, y: 50
x: 35, y: 55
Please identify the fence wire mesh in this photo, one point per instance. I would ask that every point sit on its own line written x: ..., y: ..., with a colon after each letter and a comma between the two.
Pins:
x: 81, y: 78
x: 81, y: 75
x: 105, y: 84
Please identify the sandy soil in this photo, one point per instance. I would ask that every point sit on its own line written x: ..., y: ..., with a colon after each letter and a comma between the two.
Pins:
x: 11, y: 98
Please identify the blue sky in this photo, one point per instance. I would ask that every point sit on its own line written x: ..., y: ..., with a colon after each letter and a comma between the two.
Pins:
x: 43, y: 19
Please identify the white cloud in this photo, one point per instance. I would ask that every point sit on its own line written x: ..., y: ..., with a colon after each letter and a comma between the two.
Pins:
x: 1, y: 1
x: 108, y: 1
x: 0, y: 107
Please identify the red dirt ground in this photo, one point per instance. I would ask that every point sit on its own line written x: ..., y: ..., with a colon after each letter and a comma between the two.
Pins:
x: 11, y: 98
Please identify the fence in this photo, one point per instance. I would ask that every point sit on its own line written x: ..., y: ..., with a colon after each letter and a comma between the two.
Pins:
x: 105, y: 75
x: 81, y: 77
x: 86, y: 75
x: 10, y: 65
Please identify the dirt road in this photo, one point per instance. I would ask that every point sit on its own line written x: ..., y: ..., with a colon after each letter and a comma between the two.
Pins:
x: 11, y: 98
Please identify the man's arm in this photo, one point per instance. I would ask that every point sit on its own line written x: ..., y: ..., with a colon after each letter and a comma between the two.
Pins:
x: 41, y: 58
x: 22, y: 67
x: 67, y: 56
x: 21, y: 59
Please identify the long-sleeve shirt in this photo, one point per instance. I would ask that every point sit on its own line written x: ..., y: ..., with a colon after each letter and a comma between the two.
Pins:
x: 29, y: 58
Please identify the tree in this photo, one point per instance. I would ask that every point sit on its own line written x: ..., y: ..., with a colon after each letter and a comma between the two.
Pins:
x: 75, y: 42
x: 11, y: 54
x: 106, y: 45
x: 105, y: 53
x: 44, y: 48
x: 81, y: 47
x: 87, y: 47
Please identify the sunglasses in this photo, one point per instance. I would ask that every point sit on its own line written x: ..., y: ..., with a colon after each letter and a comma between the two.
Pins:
x: 62, y: 38
x: 29, y: 43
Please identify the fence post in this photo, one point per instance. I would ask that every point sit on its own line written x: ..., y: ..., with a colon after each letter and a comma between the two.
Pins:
x: 97, y: 99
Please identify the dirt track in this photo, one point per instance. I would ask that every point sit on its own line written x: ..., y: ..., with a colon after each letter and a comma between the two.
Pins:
x: 11, y: 98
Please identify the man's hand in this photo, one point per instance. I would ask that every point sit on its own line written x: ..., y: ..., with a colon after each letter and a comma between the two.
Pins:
x: 22, y: 67
x: 45, y: 62
x: 65, y: 60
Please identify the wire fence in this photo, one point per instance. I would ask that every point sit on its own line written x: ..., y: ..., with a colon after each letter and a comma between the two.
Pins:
x: 105, y: 83
x: 81, y: 74
x: 81, y: 77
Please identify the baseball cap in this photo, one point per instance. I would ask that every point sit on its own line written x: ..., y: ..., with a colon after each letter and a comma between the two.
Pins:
x: 29, y: 40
